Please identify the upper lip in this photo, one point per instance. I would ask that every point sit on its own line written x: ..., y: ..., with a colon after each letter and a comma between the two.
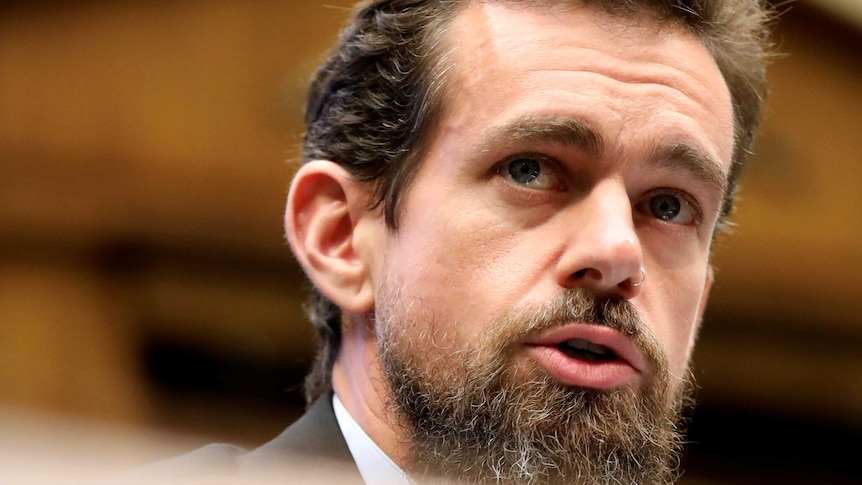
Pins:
x: 624, y: 348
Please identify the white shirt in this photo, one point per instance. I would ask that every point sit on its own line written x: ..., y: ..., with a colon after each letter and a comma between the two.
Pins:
x: 374, y: 465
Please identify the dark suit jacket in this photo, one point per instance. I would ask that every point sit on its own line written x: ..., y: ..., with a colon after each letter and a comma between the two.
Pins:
x: 311, y: 450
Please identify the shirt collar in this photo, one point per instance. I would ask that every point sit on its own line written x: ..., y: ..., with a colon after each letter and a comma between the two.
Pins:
x: 374, y: 465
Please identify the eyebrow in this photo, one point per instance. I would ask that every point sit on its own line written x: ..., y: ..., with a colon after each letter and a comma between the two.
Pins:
x: 689, y: 158
x: 557, y: 130
x: 679, y: 156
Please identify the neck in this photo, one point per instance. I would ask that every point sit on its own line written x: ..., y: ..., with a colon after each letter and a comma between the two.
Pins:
x: 360, y: 385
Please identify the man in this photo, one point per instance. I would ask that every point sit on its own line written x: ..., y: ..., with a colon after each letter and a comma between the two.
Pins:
x: 506, y: 210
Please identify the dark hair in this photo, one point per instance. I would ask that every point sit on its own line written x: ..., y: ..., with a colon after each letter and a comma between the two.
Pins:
x: 375, y: 99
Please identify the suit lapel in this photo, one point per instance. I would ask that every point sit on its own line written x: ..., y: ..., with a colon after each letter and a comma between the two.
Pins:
x: 313, y: 446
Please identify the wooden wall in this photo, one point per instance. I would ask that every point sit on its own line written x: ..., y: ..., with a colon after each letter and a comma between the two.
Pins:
x: 144, y: 280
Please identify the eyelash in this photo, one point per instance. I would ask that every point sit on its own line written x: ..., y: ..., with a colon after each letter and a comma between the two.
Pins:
x: 685, y: 197
x: 549, y: 165
x: 554, y: 167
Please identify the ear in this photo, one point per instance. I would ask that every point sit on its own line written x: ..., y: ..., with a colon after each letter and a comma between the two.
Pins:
x: 326, y: 224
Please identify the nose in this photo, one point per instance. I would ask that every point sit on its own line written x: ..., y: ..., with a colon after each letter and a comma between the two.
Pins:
x: 602, y: 252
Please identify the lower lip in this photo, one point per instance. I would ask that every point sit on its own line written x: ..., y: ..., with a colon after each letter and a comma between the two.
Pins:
x: 581, y: 373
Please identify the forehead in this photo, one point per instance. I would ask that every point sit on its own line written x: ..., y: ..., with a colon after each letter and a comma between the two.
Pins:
x: 508, y: 59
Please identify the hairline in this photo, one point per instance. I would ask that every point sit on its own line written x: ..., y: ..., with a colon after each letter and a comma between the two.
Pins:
x: 440, y: 66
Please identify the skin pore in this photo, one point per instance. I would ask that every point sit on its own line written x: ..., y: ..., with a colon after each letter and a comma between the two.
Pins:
x: 574, y: 149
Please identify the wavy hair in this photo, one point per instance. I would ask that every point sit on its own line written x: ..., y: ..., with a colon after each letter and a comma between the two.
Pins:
x: 376, y: 98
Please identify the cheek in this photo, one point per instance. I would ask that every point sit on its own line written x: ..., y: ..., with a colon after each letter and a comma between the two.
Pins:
x: 677, y: 318
x: 457, y: 268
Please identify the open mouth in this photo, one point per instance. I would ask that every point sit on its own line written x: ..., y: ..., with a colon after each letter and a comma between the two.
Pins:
x: 588, y: 355
x: 578, y: 348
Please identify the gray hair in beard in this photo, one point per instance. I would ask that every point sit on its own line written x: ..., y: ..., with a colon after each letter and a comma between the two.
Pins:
x: 473, y: 417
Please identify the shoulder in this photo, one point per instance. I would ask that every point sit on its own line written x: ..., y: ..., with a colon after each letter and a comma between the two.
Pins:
x: 213, y: 463
x: 312, y: 450
x: 313, y: 446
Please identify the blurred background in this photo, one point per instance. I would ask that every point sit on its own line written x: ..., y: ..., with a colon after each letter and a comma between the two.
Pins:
x: 149, y: 304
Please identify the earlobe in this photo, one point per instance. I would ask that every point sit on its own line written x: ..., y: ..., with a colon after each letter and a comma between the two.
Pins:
x: 325, y: 209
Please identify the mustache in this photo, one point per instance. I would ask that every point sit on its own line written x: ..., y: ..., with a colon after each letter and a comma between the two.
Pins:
x: 577, y: 305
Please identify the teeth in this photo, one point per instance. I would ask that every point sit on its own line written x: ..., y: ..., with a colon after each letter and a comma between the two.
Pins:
x: 600, y: 349
x: 587, y: 346
x: 578, y: 343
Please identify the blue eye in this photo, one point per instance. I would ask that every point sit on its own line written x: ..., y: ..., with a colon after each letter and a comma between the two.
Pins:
x: 532, y: 172
x: 671, y: 208
x: 524, y: 171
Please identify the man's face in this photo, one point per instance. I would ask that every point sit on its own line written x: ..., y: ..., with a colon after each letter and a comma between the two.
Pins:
x: 573, y: 151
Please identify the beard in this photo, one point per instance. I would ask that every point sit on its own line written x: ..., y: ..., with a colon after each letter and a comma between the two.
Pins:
x: 473, y: 415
